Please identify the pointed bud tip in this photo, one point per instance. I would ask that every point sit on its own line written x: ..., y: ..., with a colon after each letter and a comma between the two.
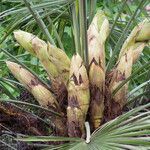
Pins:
x: 22, y: 34
x: 76, y: 60
x: 17, y: 33
x: 77, y: 57
x: 100, y: 12
x: 9, y: 63
x: 12, y: 65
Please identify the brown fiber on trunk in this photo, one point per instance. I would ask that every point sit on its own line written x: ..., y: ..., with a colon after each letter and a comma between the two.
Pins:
x: 74, y: 129
x: 96, y: 100
x: 60, y: 91
x: 112, y: 109
x: 60, y: 128
x: 22, y: 122
x: 58, y: 123
x: 19, y: 121
x: 75, y: 126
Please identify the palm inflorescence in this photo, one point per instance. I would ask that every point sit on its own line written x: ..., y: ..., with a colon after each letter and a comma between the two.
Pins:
x: 81, y: 92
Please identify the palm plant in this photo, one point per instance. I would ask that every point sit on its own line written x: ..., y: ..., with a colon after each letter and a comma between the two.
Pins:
x: 84, y: 94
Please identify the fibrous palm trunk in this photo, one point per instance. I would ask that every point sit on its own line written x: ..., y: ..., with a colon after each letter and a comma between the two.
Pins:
x: 16, y: 120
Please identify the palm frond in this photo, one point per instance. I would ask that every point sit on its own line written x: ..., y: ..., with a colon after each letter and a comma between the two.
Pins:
x: 129, y: 131
x: 29, y: 104
x: 83, y: 30
x: 76, y: 30
x: 7, y: 145
x: 40, y: 22
x: 6, y: 91
x: 47, y: 138
x: 92, y: 11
